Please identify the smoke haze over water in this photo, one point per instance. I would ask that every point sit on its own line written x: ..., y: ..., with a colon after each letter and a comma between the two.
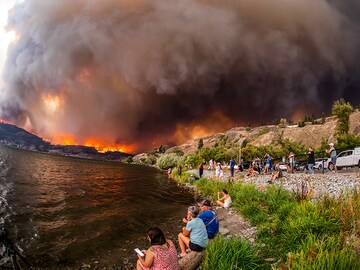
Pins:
x: 146, y: 72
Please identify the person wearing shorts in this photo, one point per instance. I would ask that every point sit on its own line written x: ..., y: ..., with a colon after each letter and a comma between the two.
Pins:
x: 292, y: 162
x: 194, y: 235
x: 333, y: 156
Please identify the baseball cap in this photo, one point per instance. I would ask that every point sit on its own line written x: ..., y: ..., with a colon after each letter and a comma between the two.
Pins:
x: 331, y: 144
x: 193, y: 210
x: 205, y: 202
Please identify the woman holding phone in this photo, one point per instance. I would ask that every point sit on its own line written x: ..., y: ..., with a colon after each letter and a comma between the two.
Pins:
x: 161, y: 255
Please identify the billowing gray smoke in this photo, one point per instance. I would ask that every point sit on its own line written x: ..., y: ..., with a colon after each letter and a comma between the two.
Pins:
x: 134, y: 71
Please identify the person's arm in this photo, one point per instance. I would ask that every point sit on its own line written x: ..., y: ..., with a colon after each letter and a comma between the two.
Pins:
x: 170, y: 243
x: 222, y: 198
x: 185, y: 232
x: 149, y: 259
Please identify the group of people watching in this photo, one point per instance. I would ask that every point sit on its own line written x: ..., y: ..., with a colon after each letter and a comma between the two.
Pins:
x: 202, y: 224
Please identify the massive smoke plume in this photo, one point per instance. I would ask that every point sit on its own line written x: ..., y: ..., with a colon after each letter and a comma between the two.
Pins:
x: 145, y: 72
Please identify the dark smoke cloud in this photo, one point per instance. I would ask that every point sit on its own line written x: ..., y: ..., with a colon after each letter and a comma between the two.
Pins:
x: 134, y: 70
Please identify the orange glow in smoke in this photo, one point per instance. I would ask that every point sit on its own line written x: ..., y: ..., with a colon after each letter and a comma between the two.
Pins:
x: 214, y: 123
x: 298, y: 115
x: 84, y: 76
x: 51, y: 102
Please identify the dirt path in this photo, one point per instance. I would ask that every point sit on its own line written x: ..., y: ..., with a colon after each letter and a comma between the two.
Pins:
x: 233, y: 224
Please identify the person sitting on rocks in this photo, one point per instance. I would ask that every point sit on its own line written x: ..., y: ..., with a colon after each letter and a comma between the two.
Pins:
x: 161, y: 255
x: 209, y: 218
x: 251, y: 171
x: 225, y: 200
x: 276, y: 174
x: 194, y: 236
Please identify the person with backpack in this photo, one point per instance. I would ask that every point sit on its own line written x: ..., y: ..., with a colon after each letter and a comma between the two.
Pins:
x: 209, y: 218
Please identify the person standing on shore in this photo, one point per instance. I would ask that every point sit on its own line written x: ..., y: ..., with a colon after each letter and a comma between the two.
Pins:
x: 218, y: 171
x: 232, y: 167
x: 201, y: 170
x: 169, y: 172
x: 179, y: 170
x: 194, y: 235
x: 211, y: 164
x: 292, y: 161
x: 161, y: 255
x: 332, y: 153
x: 268, y: 159
x: 311, y: 160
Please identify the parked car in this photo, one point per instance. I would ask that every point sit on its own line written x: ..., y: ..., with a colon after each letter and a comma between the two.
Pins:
x: 301, y: 165
x: 348, y: 158
x: 282, y: 166
x: 321, y: 163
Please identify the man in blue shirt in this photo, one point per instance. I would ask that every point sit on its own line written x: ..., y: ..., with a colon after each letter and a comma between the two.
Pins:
x: 209, y: 218
x: 232, y: 167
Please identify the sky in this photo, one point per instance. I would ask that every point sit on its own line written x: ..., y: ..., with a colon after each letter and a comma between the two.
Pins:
x: 136, y: 74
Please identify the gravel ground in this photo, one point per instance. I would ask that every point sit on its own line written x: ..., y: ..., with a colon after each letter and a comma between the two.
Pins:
x: 333, y: 184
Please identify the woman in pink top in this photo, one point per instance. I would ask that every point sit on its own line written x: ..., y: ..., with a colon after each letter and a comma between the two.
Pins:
x: 161, y: 255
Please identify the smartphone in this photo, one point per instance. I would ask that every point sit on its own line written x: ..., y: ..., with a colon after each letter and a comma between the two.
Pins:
x: 138, y: 251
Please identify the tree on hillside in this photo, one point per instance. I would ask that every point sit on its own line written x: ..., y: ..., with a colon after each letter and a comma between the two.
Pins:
x: 342, y: 109
x: 349, y: 141
x: 200, y: 144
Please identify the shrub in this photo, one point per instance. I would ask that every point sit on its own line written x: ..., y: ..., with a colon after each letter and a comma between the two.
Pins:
x: 193, y: 160
x: 234, y: 253
x: 349, y: 141
x: 171, y: 160
x: 129, y: 159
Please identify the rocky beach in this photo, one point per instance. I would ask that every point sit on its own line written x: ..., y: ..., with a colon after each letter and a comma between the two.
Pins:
x: 317, y: 185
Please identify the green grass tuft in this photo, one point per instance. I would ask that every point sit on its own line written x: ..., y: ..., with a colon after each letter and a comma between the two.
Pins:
x: 234, y: 253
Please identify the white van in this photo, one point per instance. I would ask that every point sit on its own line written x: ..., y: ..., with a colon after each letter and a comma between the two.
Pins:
x: 348, y: 158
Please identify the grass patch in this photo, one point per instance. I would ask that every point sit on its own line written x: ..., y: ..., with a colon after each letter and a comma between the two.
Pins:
x: 315, y: 234
x: 233, y: 253
x: 322, y: 253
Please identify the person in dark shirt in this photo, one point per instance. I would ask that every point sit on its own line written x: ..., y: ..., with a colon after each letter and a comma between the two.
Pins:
x: 209, y: 218
x: 201, y: 170
x: 232, y: 167
x: 311, y: 160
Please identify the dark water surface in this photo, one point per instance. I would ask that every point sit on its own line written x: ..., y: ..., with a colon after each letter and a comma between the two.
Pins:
x: 64, y: 212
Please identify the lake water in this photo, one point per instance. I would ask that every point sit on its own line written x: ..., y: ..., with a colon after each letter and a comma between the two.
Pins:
x: 67, y: 212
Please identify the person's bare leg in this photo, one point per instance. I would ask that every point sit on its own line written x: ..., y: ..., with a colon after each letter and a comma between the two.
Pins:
x: 220, y: 203
x: 183, y: 243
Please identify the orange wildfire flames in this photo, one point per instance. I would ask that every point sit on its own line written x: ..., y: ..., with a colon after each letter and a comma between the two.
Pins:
x: 5, y: 122
x: 98, y: 144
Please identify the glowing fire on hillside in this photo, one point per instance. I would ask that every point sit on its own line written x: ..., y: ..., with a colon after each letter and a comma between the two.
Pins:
x: 98, y: 144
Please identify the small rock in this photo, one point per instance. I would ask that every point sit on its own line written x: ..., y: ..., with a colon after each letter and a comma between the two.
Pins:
x: 224, y: 231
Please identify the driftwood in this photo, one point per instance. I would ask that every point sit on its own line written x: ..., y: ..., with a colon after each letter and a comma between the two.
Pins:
x: 191, y: 260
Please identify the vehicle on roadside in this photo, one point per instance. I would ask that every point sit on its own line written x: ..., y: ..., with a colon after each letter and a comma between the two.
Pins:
x: 348, y: 158
x: 301, y: 165
x: 321, y: 163
x: 283, y: 166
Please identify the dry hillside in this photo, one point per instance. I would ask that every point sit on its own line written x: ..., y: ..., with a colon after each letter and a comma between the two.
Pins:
x: 309, y: 135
